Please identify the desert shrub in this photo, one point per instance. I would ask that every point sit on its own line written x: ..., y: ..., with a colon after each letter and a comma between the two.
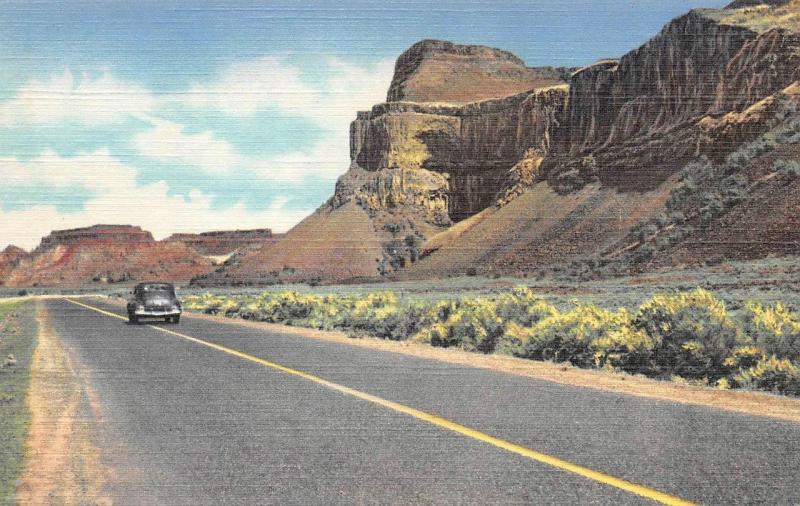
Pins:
x: 688, y: 336
x: 478, y: 324
x: 624, y: 347
x: 733, y: 189
x: 475, y: 325
x: 416, y: 316
x: 205, y: 303
x: 564, y: 336
x: 774, y: 328
x: 691, y: 331
x: 373, y: 313
x: 285, y: 307
x: 711, y: 206
x: 230, y: 307
x: 471, y: 324
x: 772, y: 374
x: 745, y: 357
x: 328, y: 313
x: 523, y: 307
x: 789, y: 169
x: 646, y: 231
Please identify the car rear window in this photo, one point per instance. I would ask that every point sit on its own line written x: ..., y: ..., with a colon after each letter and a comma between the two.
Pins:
x: 160, y: 288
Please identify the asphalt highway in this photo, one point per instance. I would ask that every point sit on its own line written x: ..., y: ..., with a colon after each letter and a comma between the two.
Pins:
x: 216, y: 413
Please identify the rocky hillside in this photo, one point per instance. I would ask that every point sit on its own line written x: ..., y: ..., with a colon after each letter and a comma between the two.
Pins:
x: 9, y: 258
x: 103, y: 254
x: 478, y: 163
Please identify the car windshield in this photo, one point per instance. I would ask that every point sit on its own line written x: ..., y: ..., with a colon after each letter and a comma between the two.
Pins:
x: 157, y: 290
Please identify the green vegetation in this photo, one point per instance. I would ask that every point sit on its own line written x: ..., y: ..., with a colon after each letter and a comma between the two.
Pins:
x: 705, y: 192
x: 17, y: 339
x: 690, y: 335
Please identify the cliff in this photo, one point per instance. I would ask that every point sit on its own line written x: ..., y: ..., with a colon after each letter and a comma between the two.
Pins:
x: 9, y: 258
x: 476, y: 160
x: 632, y: 123
x: 225, y: 242
x: 474, y: 145
x: 95, y: 235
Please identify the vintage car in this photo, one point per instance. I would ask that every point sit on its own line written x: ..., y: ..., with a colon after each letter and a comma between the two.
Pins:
x: 154, y: 300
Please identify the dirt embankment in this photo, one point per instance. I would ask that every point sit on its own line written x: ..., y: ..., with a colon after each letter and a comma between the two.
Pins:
x: 62, y: 463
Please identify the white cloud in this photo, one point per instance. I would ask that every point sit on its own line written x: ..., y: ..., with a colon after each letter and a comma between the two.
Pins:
x: 242, y: 89
x: 333, y: 106
x: 245, y: 88
x: 351, y: 88
x: 119, y: 200
x: 168, y: 142
x: 99, y: 101
x: 96, y: 171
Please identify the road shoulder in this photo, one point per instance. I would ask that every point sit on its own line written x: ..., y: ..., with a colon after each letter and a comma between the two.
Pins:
x: 62, y: 464
x: 17, y: 341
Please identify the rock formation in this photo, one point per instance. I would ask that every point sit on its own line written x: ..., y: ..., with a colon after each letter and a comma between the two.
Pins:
x: 103, y: 254
x: 9, y: 258
x: 95, y: 235
x: 541, y: 165
x: 225, y: 242
x: 440, y: 71
x: 632, y: 123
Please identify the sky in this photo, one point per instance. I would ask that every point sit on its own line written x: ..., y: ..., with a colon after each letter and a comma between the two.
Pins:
x: 189, y: 116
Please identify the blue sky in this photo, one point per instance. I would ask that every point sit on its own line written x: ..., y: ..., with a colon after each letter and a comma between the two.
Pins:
x: 198, y: 115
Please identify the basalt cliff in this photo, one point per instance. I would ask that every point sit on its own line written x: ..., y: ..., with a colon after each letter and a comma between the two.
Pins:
x: 476, y: 162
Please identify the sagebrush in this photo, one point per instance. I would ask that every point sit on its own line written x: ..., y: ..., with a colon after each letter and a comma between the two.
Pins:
x: 686, y: 334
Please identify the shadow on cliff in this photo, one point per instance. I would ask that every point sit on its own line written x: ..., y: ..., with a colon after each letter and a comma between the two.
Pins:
x: 474, y: 186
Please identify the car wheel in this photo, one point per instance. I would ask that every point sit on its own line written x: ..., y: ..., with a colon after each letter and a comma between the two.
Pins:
x: 176, y: 319
x: 133, y: 319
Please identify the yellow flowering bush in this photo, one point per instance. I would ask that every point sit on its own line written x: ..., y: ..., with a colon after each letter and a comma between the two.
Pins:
x: 686, y: 336
x: 744, y: 357
x: 772, y: 374
x: 774, y: 328
x: 522, y: 306
x: 585, y: 336
x: 692, y: 333
x: 624, y: 347
x: 205, y: 303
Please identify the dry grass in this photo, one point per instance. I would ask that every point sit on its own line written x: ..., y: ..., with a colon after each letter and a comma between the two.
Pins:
x: 761, y: 18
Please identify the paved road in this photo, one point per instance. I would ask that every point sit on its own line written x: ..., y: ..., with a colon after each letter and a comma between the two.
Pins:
x: 185, y: 423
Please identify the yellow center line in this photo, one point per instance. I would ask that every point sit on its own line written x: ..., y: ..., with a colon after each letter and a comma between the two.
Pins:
x: 544, y: 458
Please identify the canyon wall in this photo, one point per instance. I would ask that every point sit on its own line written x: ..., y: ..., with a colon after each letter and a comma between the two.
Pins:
x: 631, y: 123
x: 473, y: 146
x: 466, y: 130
